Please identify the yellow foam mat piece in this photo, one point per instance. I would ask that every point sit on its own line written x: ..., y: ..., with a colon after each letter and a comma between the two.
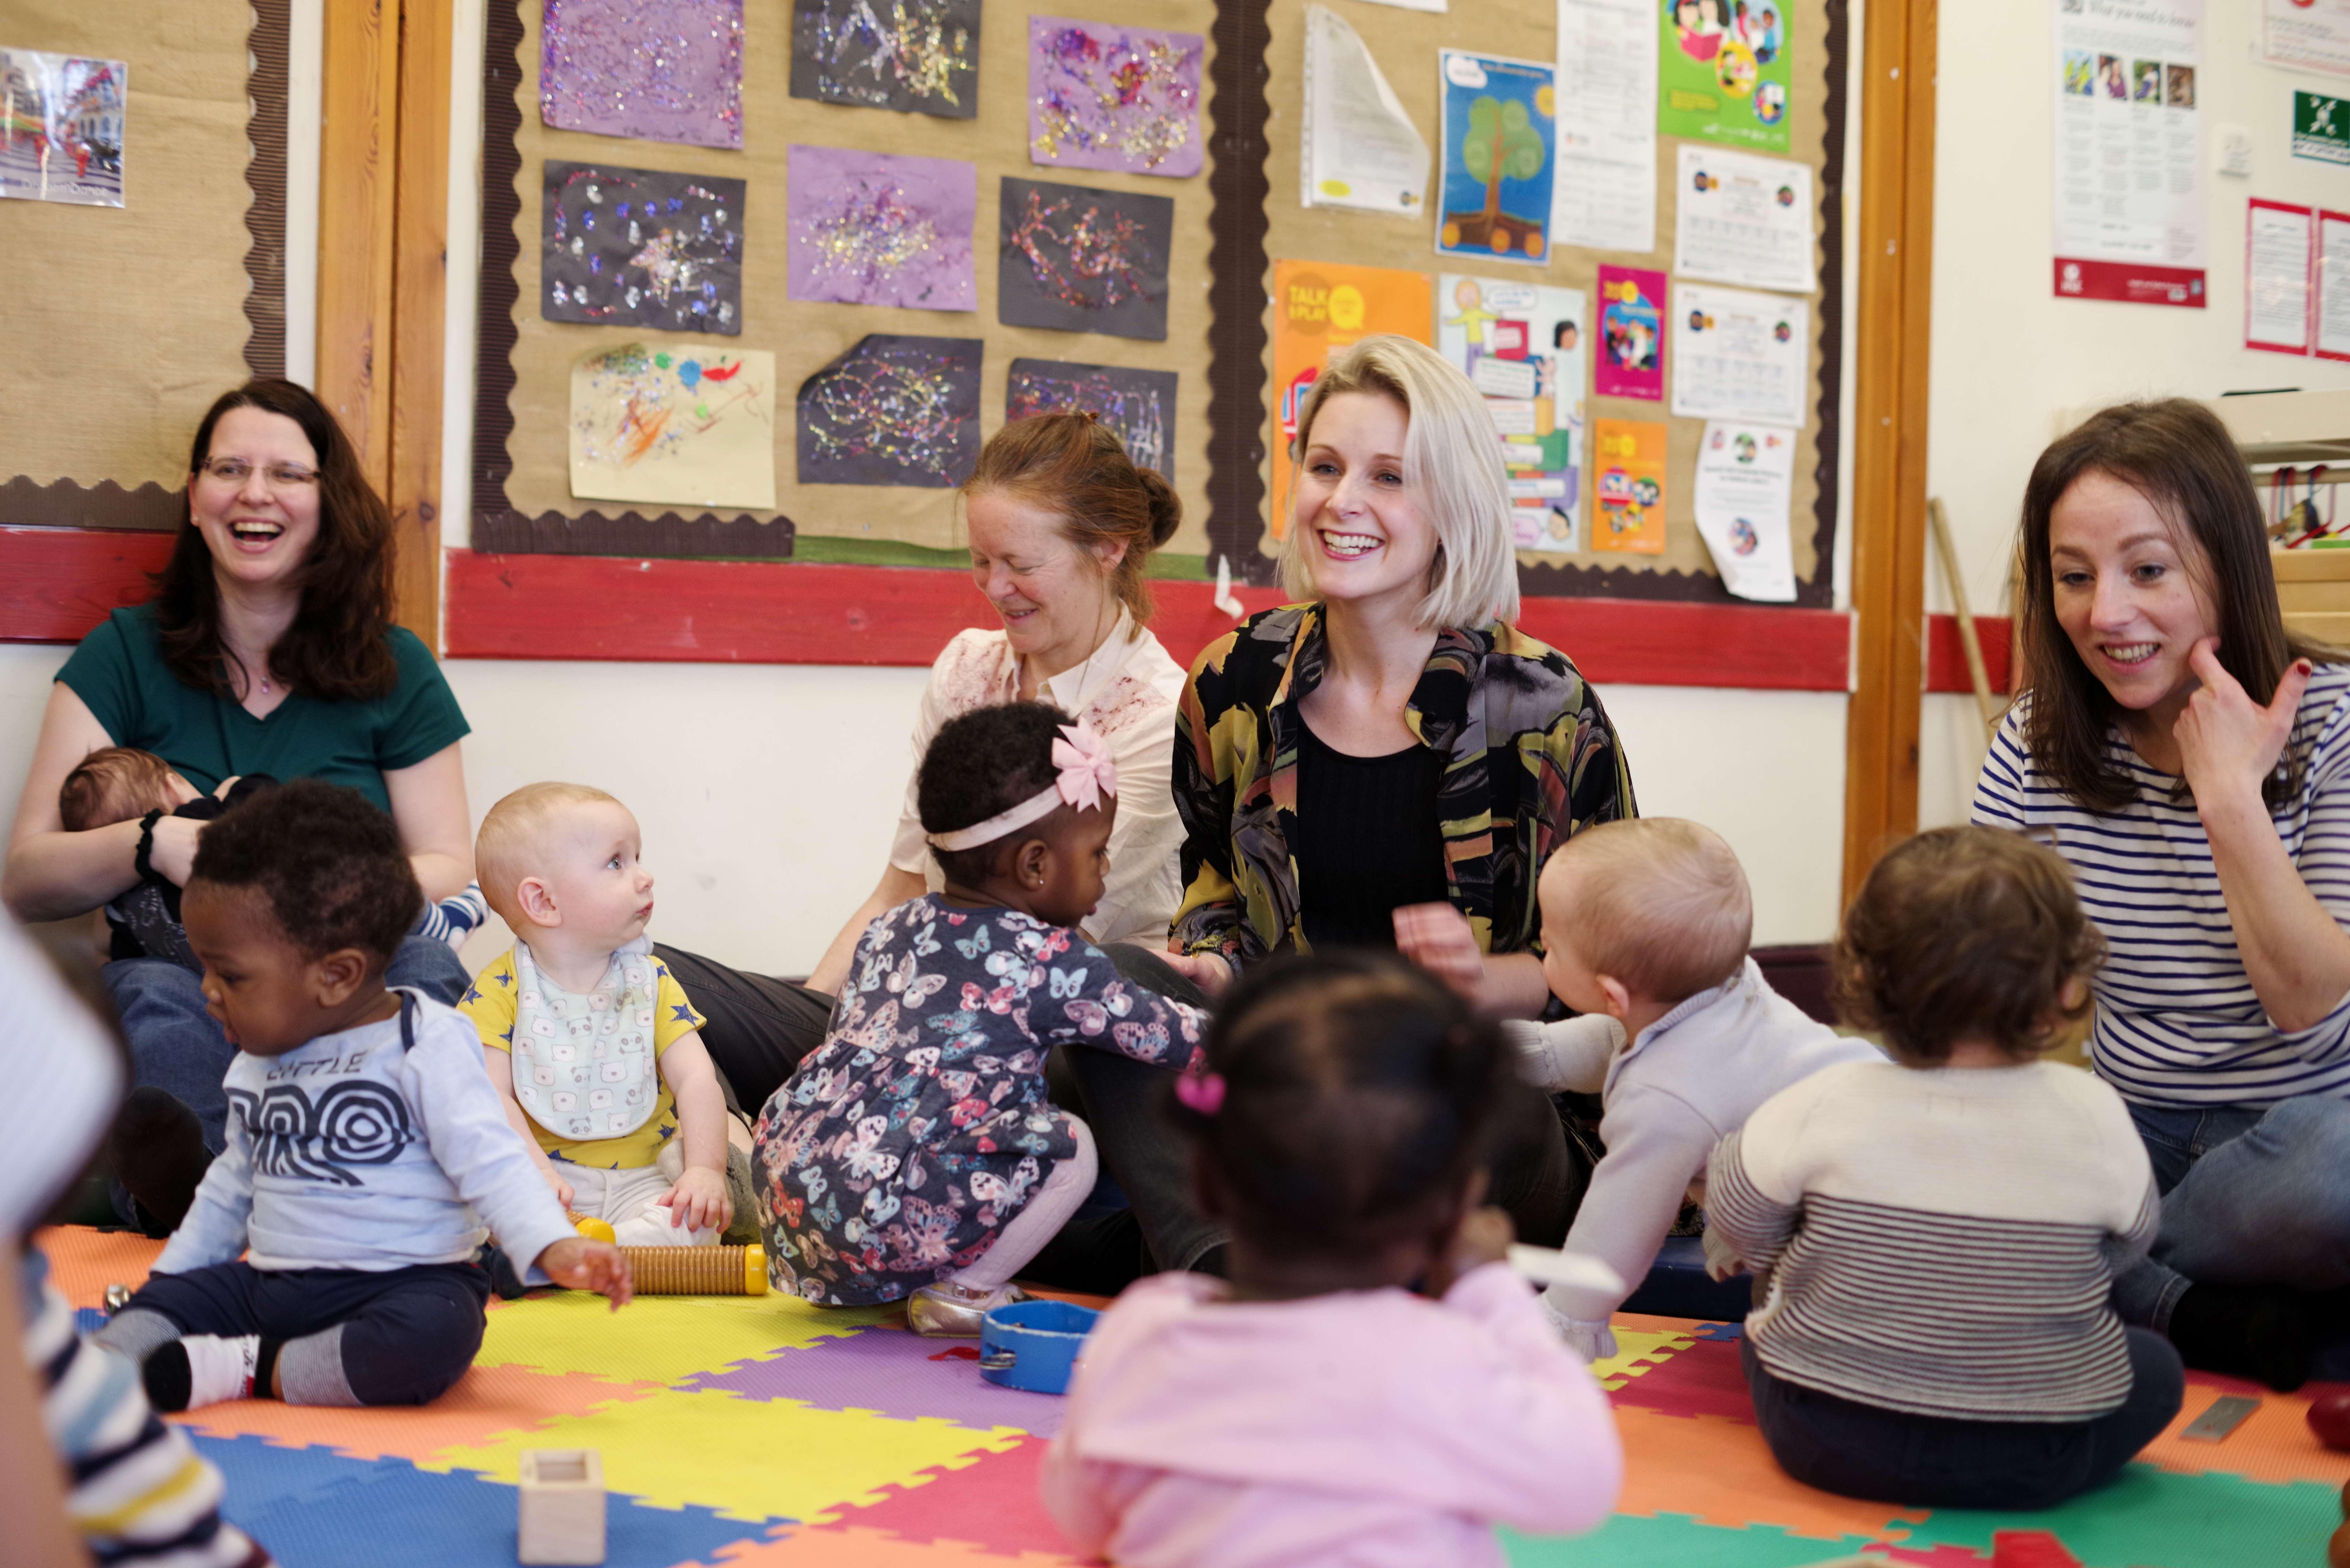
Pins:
x: 746, y: 1459
x: 659, y: 1339
x: 853, y: 1548
x: 1636, y: 1350
x: 486, y: 1404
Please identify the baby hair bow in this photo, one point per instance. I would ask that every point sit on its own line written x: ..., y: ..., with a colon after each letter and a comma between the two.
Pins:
x: 1204, y: 1092
x: 1089, y: 772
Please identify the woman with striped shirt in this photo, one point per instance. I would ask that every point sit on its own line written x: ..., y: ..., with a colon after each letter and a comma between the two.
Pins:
x: 2190, y: 759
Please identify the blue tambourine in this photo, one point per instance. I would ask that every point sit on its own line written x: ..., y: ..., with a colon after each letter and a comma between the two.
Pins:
x: 1033, y: 1345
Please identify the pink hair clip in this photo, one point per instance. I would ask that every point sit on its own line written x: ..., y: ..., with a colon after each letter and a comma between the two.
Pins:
x: 1204, y: 1092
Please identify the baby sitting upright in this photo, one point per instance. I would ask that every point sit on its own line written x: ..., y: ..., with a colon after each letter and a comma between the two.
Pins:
x: 1647, y: 921
x: 589, y: 1040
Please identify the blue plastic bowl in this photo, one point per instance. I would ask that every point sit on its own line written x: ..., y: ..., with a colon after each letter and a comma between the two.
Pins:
x: 1033, y: 1345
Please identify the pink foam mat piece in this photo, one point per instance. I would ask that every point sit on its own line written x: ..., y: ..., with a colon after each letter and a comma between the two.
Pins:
x: 994, y: 1503
x: 1705, y: 1379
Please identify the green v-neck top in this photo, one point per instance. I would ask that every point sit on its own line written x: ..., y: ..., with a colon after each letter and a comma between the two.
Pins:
x: 118, y: 671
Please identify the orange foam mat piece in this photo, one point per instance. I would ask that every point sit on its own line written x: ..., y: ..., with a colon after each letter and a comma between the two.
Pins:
x: 847, y: 1546
x: 1719, y: 1473
x: 85, y: 1261
x: 2274, y: 1444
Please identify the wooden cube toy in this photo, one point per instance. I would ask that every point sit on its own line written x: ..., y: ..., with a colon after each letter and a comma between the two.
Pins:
x: 562, y: 1509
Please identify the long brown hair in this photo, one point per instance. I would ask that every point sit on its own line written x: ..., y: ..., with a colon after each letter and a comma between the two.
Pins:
x: 1076, y: 468
x: 336, y: 648
x: 2177, y: 455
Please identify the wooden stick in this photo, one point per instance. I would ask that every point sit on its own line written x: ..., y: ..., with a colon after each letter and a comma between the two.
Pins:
x: 1985, y: 701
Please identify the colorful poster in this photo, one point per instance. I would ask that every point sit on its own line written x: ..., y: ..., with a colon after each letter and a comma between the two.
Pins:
x: 641, y: 247
x: 1740, y: 356
x: 2277, y: 242
x: 870, y: 229
x: 667, y: 428
x: 2306, y: 35
x: 1360, y: 148
x: 2332, y: 309
x: 1631, y: 353
x: 1724, y: 67
x: 61, y: 128
x: 658, y: 70
x: 1521, y: 344
x: 1607, y: 189
x: 1103, y: 96
x: 2128, y: 151
x: 1081, y: 260
x: 1627, y: 481
x: 1139, y: 405
x: 1744, y: 220
x: 893, y: 409
x: 1745, y: 479
x: 923, y: 59
x: 1320, y: 306
x: 1495, y: 182
x: 2321, y: 127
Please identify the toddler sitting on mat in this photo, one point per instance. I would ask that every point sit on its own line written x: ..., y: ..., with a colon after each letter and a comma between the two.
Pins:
x: 590, y: 1040
x: 364, y: 1139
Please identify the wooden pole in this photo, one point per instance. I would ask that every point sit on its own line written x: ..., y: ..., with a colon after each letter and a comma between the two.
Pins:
x: 1986, y: 703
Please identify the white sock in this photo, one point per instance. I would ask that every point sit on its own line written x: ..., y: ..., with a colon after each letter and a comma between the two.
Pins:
x: 219, y: 1369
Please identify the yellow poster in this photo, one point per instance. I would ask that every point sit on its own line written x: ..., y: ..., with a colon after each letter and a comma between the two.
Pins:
x: 1322, y: 306
x: 1628, y: 483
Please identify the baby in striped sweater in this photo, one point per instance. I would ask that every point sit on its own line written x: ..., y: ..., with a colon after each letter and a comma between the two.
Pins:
x: 1939, y: 1233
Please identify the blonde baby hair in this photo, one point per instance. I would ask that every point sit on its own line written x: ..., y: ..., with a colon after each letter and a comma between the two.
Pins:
x: 1659, y: 903
x: 513, y: 836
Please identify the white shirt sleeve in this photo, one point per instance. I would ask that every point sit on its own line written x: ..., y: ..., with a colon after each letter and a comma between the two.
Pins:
x: 910, y: 849
x: 49, y: 1039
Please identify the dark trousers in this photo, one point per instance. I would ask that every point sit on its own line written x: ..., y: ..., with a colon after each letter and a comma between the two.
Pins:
x: 1928, y: 1461
x: 407, y: 1333
x: 759, y: 1027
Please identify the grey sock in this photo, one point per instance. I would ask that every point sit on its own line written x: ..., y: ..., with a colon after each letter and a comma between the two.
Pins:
x: 310, y: 1370
x: 137, y: 1332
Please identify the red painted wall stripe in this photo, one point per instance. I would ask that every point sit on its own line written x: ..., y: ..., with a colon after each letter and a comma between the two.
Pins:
x: 57, y: 582
x: 1946, y: 656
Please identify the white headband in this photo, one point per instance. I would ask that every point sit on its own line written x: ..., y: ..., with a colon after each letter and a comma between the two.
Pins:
x: 1088, y: 773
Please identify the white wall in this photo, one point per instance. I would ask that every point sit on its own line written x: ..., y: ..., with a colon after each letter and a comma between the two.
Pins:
x: 2009, y: 358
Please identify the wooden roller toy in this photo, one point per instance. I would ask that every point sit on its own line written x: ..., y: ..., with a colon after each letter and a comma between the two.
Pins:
x: 698, y: 1270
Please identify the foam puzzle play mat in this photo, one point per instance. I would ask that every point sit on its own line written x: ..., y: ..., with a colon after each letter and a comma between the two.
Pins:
x: 761, y: 1432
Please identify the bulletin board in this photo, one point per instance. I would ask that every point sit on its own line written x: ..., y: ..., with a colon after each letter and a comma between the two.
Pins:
x: 1234, y: 220
x: 124, y: 323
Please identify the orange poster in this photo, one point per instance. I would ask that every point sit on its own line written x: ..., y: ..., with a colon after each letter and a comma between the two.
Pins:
x: 1627, y: 481
x: 1321, y: 307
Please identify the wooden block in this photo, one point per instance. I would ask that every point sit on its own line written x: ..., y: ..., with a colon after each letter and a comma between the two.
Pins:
x: 562, y: 1509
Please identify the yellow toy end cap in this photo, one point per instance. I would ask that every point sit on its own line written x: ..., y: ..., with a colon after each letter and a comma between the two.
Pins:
x: 594, y: 1230
x: 755, y: 1272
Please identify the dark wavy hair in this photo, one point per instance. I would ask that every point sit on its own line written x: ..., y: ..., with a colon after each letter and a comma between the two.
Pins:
x: 335, y: 649
x: 981, y: 762
x: 330, y: 863
x: 1076, y: 468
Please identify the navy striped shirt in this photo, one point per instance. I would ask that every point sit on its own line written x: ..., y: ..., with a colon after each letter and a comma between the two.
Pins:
x: 2177, y: 1023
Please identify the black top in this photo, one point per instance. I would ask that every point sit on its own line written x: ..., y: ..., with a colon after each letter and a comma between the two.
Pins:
x: 1368, y: 840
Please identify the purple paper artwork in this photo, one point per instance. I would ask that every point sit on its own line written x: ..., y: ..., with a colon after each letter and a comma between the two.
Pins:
x: 1101, y: 97
x: 870, y: 229
x: 658, y: 70
x: 641, y: 247
x: 1139, y: 405
x: 892, y: 411
x: 912, y: 55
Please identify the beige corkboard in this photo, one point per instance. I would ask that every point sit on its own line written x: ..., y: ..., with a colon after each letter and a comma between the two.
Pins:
x: 804, y: 336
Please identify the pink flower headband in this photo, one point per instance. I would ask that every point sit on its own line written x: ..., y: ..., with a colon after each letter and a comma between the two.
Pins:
x: 1088, y: 773
x: 1202, y: 1091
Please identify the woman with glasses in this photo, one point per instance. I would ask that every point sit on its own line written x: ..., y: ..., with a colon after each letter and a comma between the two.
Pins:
x: 268, y: 647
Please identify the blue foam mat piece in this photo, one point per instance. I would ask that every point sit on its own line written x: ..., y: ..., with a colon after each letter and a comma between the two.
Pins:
x: 1677, y: 1286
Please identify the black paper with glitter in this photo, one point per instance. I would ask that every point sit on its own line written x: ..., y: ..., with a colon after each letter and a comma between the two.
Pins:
x: 1139, y: 405
x: 641, y: 247
x: 1081, y: 260
x: 893, y: 411
x: 912, y: 55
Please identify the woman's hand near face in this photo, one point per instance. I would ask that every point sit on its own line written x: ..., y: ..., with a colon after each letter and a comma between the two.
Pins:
x: 2227, y: 744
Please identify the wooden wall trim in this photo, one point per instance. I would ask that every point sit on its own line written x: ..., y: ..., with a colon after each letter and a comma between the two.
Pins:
x: 420, y: 278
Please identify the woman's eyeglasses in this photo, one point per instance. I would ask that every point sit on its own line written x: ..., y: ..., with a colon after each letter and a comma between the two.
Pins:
x: 235, y: 471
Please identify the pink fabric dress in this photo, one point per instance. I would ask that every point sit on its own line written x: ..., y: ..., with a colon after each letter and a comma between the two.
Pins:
x: 1366, y: 1427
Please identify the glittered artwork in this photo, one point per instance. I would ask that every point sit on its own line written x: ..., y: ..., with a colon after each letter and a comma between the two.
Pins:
x: 892, y: 411
x: 870, y: 229
x: 1139, y: 405
x: 641, y: 247
x: 674, y: 428
x: 1076, y: 260
x: 1101, y: 97
x: 658, y: 70
x: 912, y: 55
x: 61, y: 128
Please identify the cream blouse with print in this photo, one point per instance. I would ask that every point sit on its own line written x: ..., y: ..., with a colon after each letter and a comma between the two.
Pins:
x: 1128, y: 690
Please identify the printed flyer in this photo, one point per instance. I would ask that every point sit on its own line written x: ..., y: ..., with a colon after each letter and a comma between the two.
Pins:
x: 2128, y: 150
x: 1744, y: 220
x: 1521, y: 344
x: 1495, y: 182
x: 1723, y: 71
x: 1607, y: 198
x: 1745, y: 475
x: 1740, y: 356
x: 1631, y: 334
x: 1319, y: 306
x: 2306, y: 35
x: 1627, y: 467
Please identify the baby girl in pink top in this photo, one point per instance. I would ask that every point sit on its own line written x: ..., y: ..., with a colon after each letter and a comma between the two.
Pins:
x: 1374, y: 1386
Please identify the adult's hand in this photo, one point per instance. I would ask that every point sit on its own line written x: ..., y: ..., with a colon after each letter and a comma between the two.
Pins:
x: 2227, y: 744
x: 1436, y: 937
x: 174, y: 856
x: 1209, y: 971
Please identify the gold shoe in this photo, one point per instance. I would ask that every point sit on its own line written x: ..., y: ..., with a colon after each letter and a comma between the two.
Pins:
x: 946, y: 1312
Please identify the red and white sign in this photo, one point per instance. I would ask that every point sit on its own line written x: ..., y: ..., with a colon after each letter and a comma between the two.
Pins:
x: 2278, y: 240
x: 2128, y: 175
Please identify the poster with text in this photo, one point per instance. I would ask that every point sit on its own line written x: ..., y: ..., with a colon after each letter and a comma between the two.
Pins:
x: 2332, y: 309
x: 1631, y: 350
x: 1627, y: 486
x: 1744, y: 220
x: 1521, y: 344
x: 2306, y: 35
x: 1359, y: 147
x: 61, y: 128
x: 1745, y: 475
x: 2278, y: 238
x: 1495, y: 182
x: 2128, y: 150
x: 1739, y: 355
x: 1723, y: 71
x: 1319, y: 307
x: 1606, y: 188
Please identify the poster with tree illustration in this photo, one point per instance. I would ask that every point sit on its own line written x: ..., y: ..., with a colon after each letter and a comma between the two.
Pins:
x: 1499, y: 143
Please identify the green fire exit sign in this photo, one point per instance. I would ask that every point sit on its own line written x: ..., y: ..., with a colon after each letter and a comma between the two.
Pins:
x: 2321, y: 127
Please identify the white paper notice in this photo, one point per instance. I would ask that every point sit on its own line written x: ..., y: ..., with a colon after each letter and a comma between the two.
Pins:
x: 1744, y: 220
x: 1412, y: 4
x: 2332, y: 311
x: 1745, y: 475
x: 2276, y: 277
x: 2129, y: 149
x: 2306, y: 35
x: 1361, y: 148
x: 1607, y: 186
x: 1739, y: 355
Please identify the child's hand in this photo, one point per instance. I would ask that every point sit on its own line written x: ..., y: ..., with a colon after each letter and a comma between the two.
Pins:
x: 1209, y: 971
x: 563, y: 1193
x: 1722, y: 1260
x: 1485, y: 1237
x: 699, y: 1200
x: 584, y: 1265
x: 1437, y: 937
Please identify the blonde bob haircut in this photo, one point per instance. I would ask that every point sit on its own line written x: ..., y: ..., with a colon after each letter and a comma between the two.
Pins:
x: 1451, y: 459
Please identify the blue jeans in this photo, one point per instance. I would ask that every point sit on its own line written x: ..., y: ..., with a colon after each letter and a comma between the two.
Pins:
x: 2251, y: 1197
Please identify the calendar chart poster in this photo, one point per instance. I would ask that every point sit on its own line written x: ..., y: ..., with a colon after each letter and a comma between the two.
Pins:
x: 1743, y: 220
x: 1737, y: 355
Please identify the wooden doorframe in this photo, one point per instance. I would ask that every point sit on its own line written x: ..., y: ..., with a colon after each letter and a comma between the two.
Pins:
x: 383, y: 204
x: 1888, y: 480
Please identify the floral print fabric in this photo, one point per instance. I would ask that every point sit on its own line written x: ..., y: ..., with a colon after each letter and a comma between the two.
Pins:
x: 920, y: 1126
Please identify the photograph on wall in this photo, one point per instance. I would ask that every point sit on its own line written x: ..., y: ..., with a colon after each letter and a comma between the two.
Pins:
x: 2141, y: 239
x: 1521, y: 345
x: 1630, y: 356
x: 1081, y: 260
x: 892, y: 409
x: 641, y: 247
x: 1319, y: 307
x: 656, y: 70
x: 1359, y: 147
x: 1105, y: 97
x: 868, y: 228
x: 61, y: 127
x: 916, y: 56
x: 1745, y: 475
x: 667, y: 428
x: 1724, y: 67
x: 1494, y: 181
x: 1739, y: 355
x: 1139, y: 405
x: 1744, y: 220
x: 1627, y: 486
